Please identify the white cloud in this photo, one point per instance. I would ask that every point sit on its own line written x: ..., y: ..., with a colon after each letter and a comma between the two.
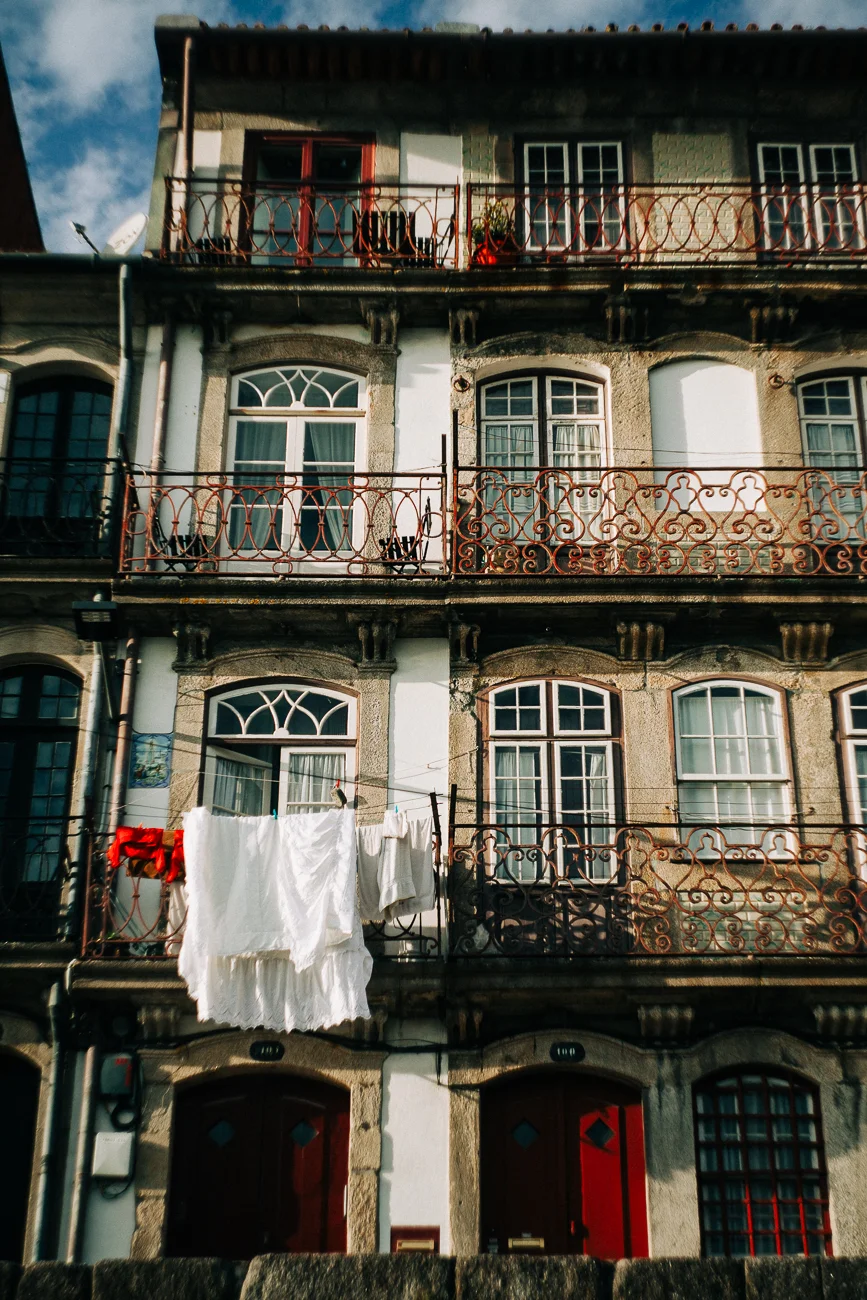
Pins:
x: 335, y: 13
x: 94, y: 191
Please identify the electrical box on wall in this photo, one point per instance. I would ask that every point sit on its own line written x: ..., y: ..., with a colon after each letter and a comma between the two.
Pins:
x: 112, y: 1155
x: 117, y: 1075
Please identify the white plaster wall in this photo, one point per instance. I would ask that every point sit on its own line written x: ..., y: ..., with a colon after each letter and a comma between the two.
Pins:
x: 154, y: 711
x: 423, y: 404
x: 109, y: 1224
x: 183, y: 419
x: 430, y: 159
x: 418, y: 724
x: 142, y: 444
x: 414, y: 1176
x: 704, y: 413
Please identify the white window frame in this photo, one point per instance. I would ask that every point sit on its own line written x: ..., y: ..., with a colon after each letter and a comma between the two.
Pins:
x: 222, y: 744
x: 234, y: 756
x: 827, y: 521
x: 852, y: 738
x: 549, y: 742
x: 295, y: 417
x: 797, y: 195
x: 857, y: 213
x: 619, y: 196
x: 531, y: 199
x: 782, y: 778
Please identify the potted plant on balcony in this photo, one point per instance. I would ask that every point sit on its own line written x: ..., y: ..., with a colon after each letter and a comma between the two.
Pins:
x: 494, y: 237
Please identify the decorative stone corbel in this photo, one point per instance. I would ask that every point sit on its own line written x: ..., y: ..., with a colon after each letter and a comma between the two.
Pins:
x: 193, y: 645
x: 371, y: 1031
x: 640, y: 641
x: 217, y: 327
x: 159, y: 1021
x: 465, y: 1025
x: 841, y: 1023
x: 463, y: 326
x: 382, y: 322
x: 669, y: 1022
x: 771, y: 323
x: 376, y: 638
x: 805, y: 643
x: 624, y: 320
x: 465, y: 643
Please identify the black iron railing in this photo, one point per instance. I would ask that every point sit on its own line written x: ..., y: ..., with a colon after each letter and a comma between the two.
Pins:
x: 36, y: 857
x: 55, y: 509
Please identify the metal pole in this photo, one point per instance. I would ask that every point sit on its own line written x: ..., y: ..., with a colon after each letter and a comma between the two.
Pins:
x: 164, y: 393
x: 83, y: 1157
x: 124, y: 737
x: 84, y: 806
x: 42, y: 1208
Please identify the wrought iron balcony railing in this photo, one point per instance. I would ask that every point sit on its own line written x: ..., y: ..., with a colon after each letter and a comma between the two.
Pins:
x: 567, y: 522
x: 665, y: 224
x: 523, y: 889
x: 316, y: 523
x: 56, y: 509
x: 238, y: 223
x: 129, y: 917
x: 36, y: 856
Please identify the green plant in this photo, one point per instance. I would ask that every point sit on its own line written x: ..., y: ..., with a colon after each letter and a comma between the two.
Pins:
x: 495, y: 223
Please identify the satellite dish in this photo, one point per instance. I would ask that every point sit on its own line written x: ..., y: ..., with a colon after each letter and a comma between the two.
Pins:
x: 127, y: 234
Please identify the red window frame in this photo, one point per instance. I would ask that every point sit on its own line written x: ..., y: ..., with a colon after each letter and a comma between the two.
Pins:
x: 306, y: 185
x: 717, y: 1151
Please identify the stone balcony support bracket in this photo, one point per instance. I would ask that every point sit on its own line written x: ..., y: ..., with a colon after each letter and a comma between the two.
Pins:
x: 666, y: 1023
x: 636, y: 641
x: 805, y: 643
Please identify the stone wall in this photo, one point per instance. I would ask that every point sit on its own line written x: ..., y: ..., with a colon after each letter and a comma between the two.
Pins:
x: 434, y: 1277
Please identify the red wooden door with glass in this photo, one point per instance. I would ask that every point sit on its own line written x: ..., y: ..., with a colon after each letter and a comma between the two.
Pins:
x: 259, y: 1164
x: 563, y: 1168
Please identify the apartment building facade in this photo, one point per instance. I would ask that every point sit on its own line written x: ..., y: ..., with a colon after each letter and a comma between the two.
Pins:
x: 482, y: 430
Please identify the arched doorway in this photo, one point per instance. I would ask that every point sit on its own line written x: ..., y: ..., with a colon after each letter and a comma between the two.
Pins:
x: 562, y: 1167
x: 19, y: 1098
x: 260, y: 1164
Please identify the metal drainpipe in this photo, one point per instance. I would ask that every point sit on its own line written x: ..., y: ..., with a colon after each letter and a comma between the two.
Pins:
x: 120, y: 411
x: 164, y: 393
x: 42, y: 1210
x: 124, y: 736
x: 84, y: 806
x: 83, y: 1158
x: 187, y: 116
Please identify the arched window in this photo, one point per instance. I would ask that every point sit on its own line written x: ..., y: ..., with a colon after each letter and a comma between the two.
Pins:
x: 39, y: 710
x: 732, y: 768
x: 278, y: 747
x: 553, y: 764
x: 55, y: 486
x: 294, y: 427
x: 853, y: 736
x: 762, y: 1178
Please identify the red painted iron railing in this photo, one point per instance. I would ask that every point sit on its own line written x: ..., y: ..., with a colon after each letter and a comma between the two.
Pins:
x: 659, y: 522
x: 537, y: 890
x: 317, y: 523
x: 664, y: 223
x: 213, y: 223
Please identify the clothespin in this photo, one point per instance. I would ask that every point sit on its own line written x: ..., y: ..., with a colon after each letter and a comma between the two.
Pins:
x: 274, y: 814
x: 337, y: 795
x: 396, y: 809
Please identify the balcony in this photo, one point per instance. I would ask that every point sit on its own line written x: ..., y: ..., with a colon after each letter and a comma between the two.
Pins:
x: 527, y: 890
x: 319, y: 524
x: 504, y: 523
x: 131, y: 917
x: 670, y: 225
x: 57, y: 509
x: 233, y: 223
x: 35, y: 868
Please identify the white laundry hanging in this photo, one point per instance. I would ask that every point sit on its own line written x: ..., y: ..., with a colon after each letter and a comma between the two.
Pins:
x: 273, y: 937
x: 395, y: 868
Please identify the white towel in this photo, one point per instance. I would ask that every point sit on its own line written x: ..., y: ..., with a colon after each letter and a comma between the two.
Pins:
x: 273, y: 936
x: 395, y: 868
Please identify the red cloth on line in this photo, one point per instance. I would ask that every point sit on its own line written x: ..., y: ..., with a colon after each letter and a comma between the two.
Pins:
x: 147, y: 853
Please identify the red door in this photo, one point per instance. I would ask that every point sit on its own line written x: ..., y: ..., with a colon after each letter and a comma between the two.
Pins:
x: 259, y: 1164
x: 563, y: 1168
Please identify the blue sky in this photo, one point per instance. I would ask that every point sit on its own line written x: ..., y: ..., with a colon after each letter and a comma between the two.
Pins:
x: 84, y: 74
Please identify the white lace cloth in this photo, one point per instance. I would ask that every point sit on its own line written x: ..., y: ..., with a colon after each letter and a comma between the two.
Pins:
x: 395, y: 868
x: 273, y: 937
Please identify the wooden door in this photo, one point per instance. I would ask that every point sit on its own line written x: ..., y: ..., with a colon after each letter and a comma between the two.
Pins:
x: 260, y: 1164
x: 563, y: 1168
x: 19, y: 1096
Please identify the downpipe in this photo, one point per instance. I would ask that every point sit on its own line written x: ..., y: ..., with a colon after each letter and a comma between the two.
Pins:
x: 84, y: 807
x: 117, y: 446
x: 48, y: 1155
x: 83, y: 1158
x: 124, y: 737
